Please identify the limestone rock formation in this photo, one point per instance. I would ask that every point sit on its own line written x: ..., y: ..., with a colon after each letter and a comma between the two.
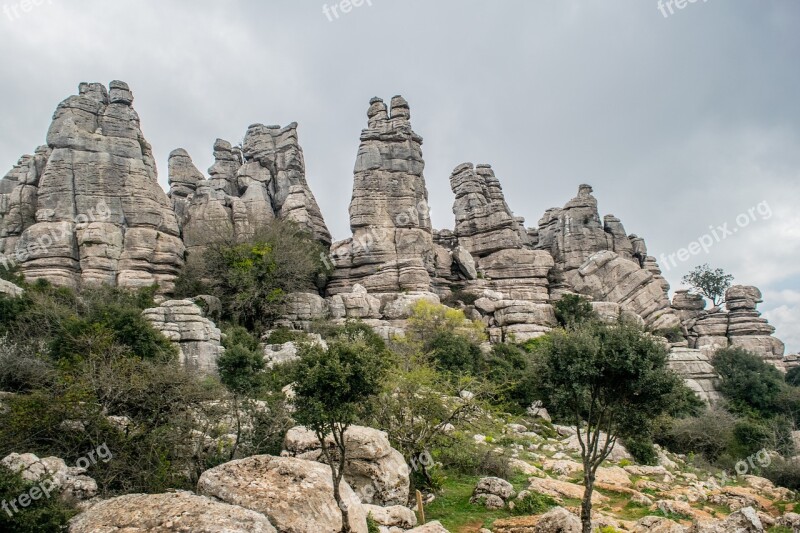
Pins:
x: 249, y: 187
x: 178, y: 512
x: 376, y: 471
x: 739, y: 325
x: 296, y: 495
x: 392, y: 246
x: 87, y: 208
x: 484, y: 222
x: 695, y: 368
x: 198, y: 339
x: 605, y: 276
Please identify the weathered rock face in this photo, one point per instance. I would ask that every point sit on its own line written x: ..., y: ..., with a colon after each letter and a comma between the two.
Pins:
x: 605, y: 276
x: 377, y: 472
x: 249, y: 187
x: 177, y: 512
x: 392, y: 247
x: 296, y: 495
x: 198, y: 339
x: 484, y: 222
x: 87, y: 208
x: 739, y: 325
x: 695, y: 368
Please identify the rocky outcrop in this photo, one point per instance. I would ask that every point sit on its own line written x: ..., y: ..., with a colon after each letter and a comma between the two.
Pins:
x: 296, y: 495
x: 738, y: 325
x: 198, y: 339
x: 605, y: 276
x: 484, y: 222
x: 391, y: 249
x: 87, y: 208
x: 177, y: 512
x: 377, y: 472
x: 249, y: 187
x: 694, y: 366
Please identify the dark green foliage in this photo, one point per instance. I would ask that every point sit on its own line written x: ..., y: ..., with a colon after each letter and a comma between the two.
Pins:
x: 241, y: 369
x: 534, y: 503
x: 793, y: 377
x: 284, y: 335
x: 461, y: 454
x: 238, y: 335
x: 511, y: 369
x: 253, y: 278
x: 783, y: 472
x: 372, y: 525
x: 711, y: 283
x: 43, y: 515
x: 642, y: 450
x: 751, y: 385
x: 572, y: 310
x: 671, y: 334
x: 454, y: 353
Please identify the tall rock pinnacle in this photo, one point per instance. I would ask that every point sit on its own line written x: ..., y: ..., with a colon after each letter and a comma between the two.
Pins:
x: 87, y: 208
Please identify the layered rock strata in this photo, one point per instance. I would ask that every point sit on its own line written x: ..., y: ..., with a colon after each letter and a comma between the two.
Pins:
x: 249, y: 187
x: 87, y: 208
x: 198, y: 339
x: 391, y: 249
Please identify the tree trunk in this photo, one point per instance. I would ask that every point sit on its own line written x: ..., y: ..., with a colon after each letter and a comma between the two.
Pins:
x: 337, y: 495
x: 586, y: 504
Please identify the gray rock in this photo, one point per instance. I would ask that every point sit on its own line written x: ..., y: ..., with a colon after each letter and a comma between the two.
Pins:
x: 198, y: 339
x: 392, y: 245
x: 87, y: 208
x: 296, y: 495
x: 177, y: 512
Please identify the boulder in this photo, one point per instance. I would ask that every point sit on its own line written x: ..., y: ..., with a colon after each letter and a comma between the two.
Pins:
x: 430, y: 527
x: 296, y: 495
x: 377, y: 472
x: 198, y: 339
x: 177, y: 512
x: 393, y: 516
x: 558, y: 520
x: 71, y: 481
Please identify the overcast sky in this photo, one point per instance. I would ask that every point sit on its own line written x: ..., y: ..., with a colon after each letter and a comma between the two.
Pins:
x: 681, y: 123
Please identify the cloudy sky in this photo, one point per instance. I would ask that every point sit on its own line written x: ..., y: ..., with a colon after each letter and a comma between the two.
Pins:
x: 681, y: 122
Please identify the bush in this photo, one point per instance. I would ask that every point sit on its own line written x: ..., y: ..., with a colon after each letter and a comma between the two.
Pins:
x: 43, y: 515
x: 284, y: 335
x: 642, y: 450
x: 510, y: 368
x: 533, y: 503
x: 783, y: 472
x: 572, y: 309
x: 751, y: 385
x: 709, y: 434
x: 252, y: 278
x: 372, y: 525
x: 793, y: 377
x: 454, y: 354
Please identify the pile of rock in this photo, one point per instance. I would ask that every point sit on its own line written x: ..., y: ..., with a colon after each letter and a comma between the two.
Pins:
x: 72, y: 482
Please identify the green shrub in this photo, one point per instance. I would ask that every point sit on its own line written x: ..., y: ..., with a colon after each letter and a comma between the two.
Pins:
x: 572, y: 309
x: 533, y: 503
x: 751, y: 385
x: 642, y: 450
x: 284, y: 335
x: 783, y: 472
x: 372, y: 525
x: 454, y: 353
x: 43, y: 515
x: 793, y: 377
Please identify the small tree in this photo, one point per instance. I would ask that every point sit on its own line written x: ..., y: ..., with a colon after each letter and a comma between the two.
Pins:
x: 333, y: 390
x: 572, y: 309
x: 710, y: 283
x: 611, y: 382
